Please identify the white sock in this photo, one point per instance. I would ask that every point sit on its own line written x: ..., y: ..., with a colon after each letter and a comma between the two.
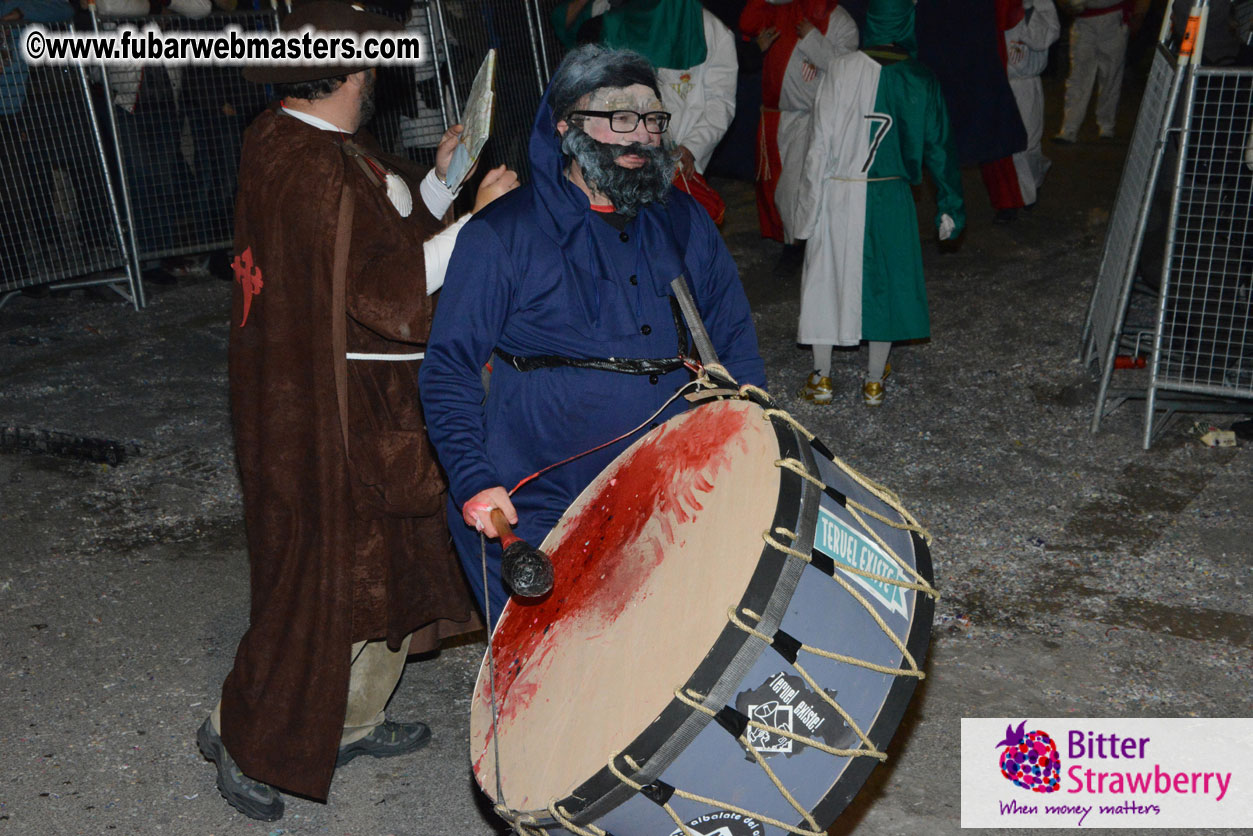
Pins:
x: 822, y: 359
x: 878, y: 359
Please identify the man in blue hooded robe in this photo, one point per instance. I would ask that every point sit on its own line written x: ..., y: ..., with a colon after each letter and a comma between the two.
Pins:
x: 561, y: 279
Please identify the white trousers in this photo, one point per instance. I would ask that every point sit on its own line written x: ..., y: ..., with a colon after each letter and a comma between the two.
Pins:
x: 1098, y: 47
x: 1030, y: 164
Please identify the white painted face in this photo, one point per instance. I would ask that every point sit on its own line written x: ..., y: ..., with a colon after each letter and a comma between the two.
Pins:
x: 639, y: 98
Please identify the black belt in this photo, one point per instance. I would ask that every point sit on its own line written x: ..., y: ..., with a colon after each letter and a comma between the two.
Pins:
x: 622, y: 365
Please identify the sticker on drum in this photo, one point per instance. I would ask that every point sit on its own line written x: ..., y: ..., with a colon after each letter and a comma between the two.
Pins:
x: 722, y: 823
x: 736, y: 626
x: 787, y: 703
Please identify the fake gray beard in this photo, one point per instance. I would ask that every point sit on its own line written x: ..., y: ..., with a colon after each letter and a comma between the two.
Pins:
x: 629, y: 189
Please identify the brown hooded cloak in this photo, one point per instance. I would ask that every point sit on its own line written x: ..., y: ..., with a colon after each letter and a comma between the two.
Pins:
x: 344, y: 546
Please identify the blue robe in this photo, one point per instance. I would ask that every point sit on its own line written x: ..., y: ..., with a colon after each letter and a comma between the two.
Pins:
x: 537, y: 273
x: 957, y: 40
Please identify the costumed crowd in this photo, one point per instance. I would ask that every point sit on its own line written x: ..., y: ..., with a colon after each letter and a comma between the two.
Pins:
x: 377, y: 431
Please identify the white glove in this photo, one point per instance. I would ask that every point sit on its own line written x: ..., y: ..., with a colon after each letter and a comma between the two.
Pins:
x: 947, y: 225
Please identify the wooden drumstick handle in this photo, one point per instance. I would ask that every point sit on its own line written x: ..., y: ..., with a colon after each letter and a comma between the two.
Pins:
x: 526, y: 570
x: 503, y: 530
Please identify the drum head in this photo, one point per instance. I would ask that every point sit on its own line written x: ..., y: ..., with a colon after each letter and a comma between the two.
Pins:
x: 647, y: 562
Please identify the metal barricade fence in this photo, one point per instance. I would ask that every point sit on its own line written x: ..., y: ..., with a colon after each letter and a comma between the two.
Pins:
x: 147, y: 168
x: 1200, y: 333
x: 525, y: 51
x: 413, y: 104
x: 1125, y: 232
x: 1204, y: 338
x: 59, y: 220
x: 178, y: 132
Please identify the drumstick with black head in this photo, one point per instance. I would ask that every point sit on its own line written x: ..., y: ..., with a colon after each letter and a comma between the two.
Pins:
x: 527, y: 571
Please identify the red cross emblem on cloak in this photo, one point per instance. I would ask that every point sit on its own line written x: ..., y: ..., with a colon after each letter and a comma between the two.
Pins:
x: 248, y: 275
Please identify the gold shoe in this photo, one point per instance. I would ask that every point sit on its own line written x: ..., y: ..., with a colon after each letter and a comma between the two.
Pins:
x: 817, y: 389
x: 887, y: 371
x: 872, y: 392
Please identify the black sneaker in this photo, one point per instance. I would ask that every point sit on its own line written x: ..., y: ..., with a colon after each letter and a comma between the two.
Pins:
x: 252, y: 798
x: 386, y: 740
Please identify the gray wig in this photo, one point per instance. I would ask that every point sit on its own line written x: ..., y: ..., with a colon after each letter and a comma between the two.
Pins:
x: 592, y: 67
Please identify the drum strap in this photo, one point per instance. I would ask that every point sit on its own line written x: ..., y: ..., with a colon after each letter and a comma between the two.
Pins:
x: 687, y: 304
x: 622, y: 365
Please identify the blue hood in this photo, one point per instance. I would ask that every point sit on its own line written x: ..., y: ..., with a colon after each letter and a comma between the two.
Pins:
x: 563, y: 213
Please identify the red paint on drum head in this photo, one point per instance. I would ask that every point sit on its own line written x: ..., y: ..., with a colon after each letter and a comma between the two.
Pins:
x: 684, y: 481
x: 660, y: 480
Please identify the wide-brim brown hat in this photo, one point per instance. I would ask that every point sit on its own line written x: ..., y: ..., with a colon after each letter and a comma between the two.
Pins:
x: 323, y: 16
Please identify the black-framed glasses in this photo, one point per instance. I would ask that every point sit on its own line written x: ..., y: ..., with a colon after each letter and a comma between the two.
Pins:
x: 624, y: 121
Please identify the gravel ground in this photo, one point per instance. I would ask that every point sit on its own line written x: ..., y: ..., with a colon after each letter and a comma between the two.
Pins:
x: 1081, y: 575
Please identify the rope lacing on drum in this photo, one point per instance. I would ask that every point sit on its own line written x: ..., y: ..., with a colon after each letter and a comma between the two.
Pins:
x: 694, y: 699
x: 920, y: 585
x: 560, y: 815
x: 908, y: 523
x: 713, y: 802
x: 855, y: 509
x: 524, y: 824
x: 887, y: 497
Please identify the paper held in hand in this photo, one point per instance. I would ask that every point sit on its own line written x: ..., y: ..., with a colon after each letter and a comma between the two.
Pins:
x: 476, y: 122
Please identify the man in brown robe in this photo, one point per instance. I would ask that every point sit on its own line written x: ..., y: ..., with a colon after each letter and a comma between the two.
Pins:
x: 351, y: 562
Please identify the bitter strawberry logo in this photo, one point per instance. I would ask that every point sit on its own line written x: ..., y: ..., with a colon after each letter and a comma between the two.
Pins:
x: 1030, y: 759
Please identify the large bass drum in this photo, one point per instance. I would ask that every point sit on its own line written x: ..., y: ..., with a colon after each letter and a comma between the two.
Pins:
x: 737, y: 624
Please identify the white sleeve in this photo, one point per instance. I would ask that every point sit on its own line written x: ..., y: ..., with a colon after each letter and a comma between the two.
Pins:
x: 437, y: 251
x: 842, y: 31
x: 720, y: 71
x: 813, y: 180
x: 192, y: 8
x: 841, y: 39
x: 435, y: 194
x: 122, y: 8
x: 1044, y: 28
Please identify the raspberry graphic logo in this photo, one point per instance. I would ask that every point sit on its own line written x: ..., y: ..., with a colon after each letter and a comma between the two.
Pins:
x: 1030, y: 759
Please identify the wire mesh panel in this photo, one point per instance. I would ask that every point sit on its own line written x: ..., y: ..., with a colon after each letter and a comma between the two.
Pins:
x: 178, y: 132
x: 1125, y: 232
x: 150, y: 170
x: 57, y: 220
x: 1204, y: 337
x: 215, y: 105
x: 519, y: 32
x: 413, y: 103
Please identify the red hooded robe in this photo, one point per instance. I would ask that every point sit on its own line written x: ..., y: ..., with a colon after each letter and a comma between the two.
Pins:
x: 757, y: 16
